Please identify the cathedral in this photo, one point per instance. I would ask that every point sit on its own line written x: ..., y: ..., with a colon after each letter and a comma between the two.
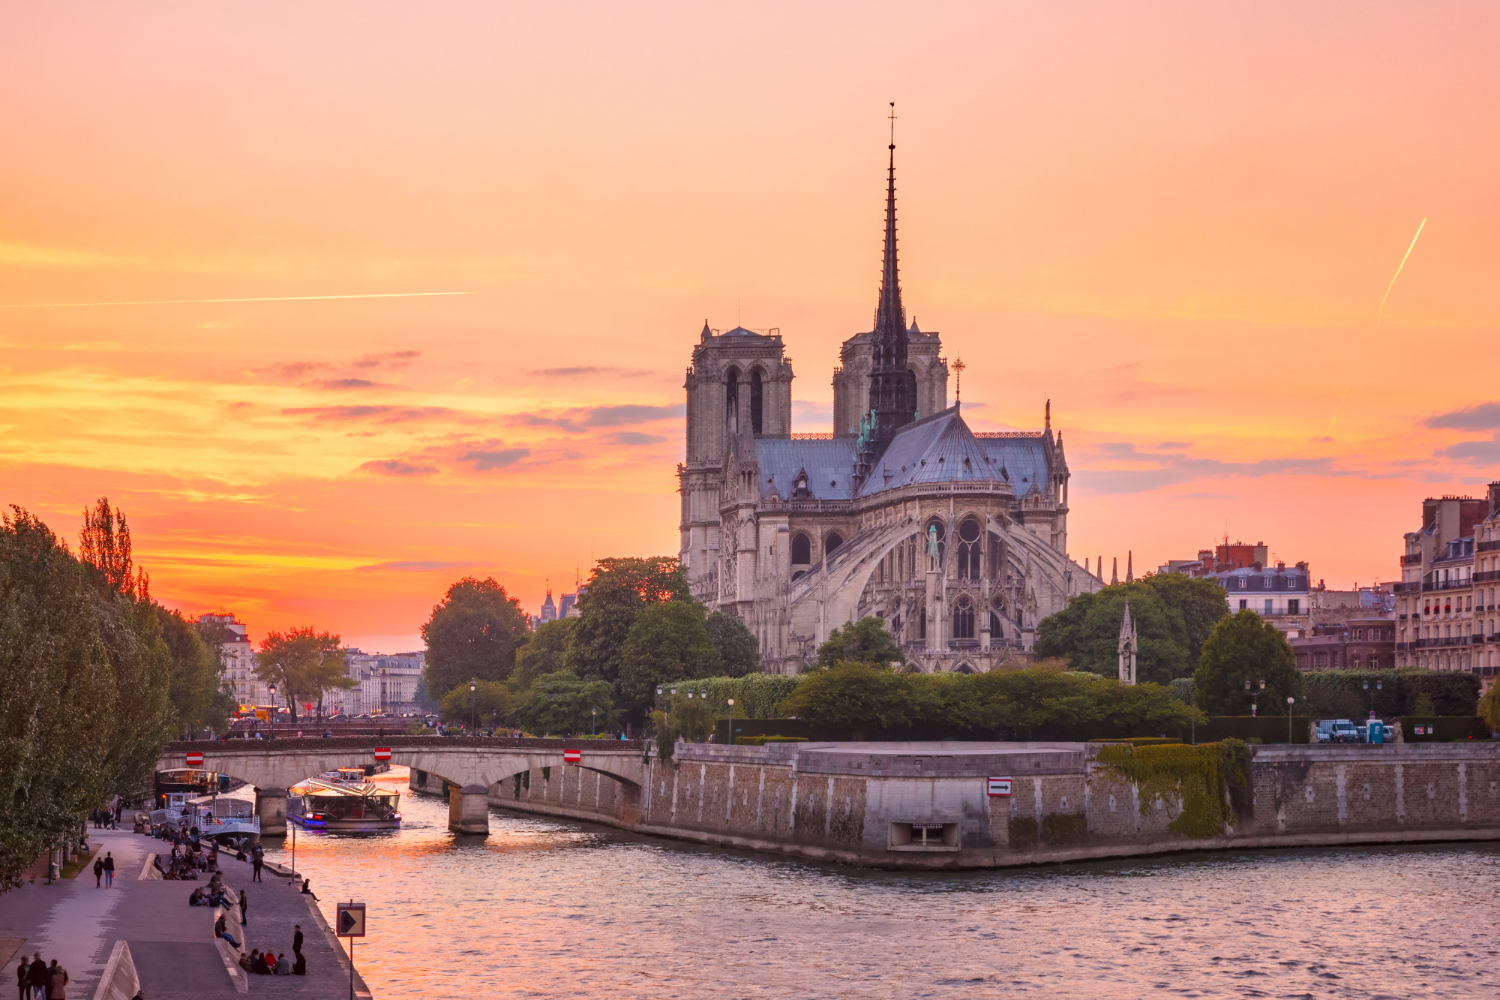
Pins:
x: 956, y: 540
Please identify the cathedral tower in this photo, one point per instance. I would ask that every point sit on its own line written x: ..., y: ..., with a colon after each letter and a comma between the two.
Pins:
x: 893, y: 402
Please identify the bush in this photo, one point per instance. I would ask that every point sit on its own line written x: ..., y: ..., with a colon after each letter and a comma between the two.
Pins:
x: 1448, y: 729
x: 1341, y: 694
x: 1199, y: 777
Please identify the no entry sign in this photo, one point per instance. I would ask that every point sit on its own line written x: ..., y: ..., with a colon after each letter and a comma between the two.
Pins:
x: 382, y: 753
x: 999, y: 787
x: 572, y: 756
x: 195, y: 759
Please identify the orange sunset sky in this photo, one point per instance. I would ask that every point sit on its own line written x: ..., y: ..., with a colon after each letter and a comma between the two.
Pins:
x: 1175, y: 220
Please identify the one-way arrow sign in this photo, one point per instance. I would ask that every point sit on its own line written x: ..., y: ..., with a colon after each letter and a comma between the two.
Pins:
x: 350, y: 920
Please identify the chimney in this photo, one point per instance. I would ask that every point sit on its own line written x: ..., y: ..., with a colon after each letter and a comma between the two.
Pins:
x: 1494, y: 498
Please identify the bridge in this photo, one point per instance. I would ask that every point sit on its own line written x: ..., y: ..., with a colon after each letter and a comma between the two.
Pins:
x: 470, y: 766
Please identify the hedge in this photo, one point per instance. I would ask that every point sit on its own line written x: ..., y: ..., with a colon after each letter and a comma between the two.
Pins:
x: 1453, y: 692
x: 1446, y: 729
x: 1266, y: 728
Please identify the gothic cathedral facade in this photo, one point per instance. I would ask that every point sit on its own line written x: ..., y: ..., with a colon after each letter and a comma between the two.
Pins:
x: 956, y: 540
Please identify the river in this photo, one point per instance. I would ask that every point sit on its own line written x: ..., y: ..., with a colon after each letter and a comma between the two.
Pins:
x: 561, y: 909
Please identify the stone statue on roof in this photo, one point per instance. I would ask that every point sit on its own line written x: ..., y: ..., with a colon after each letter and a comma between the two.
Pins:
x: 934, y: 554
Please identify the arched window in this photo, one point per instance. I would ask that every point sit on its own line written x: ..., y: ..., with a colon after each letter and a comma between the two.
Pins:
x: 922, y: 624
x: 963, y: 620
x: 831, y: 542
x: 801, y: 549
x: 997, y: 634
x: 911, y: 393
x: 731, y: 399
x: 968, y: 549
x: 995, y: 558
x: 755, y: 401
x: 964, y: 668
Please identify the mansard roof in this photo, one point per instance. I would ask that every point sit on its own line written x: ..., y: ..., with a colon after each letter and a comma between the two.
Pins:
x: 1022, y: 456
x: 936, y: 449
x: 828, y: 462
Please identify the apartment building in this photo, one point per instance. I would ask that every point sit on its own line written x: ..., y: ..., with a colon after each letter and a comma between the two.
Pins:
x: 384, y: 684
x: 1446, y: 615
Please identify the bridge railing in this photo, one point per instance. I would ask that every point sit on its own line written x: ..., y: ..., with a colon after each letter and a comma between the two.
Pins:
x: 322, y: 744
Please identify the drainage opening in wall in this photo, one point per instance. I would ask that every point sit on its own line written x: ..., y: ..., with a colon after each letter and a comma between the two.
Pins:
x: 929, y: 836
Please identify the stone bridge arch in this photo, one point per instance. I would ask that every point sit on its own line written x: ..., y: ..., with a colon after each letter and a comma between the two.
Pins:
x: 470, y: 770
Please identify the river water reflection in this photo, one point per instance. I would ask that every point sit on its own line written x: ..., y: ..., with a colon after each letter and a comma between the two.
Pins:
x: 555, y: 909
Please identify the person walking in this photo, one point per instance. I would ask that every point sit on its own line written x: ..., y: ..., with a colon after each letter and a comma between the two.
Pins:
x: 244, y: 909
x: 297, y: 939
x: 98, y: 872
x: 38, y: 977
x: 109, y: 870
x: 57, y: 983
x: 255, y: 863
x: 23, y: 977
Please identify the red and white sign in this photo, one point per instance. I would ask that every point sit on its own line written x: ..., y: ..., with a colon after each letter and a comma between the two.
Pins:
x: 195, y: 759
x: 382, y: 753
x: 572, y: 756
x: 999, y: 787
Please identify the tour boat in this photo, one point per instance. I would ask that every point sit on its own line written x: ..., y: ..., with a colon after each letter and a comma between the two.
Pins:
x: 343, y: 800
x: 230, y: 821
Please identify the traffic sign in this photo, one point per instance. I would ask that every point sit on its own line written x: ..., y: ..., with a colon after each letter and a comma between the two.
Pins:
x: 382, y: 753
x: 194, y: 759
x: 349, y: 920
x: 999, y: 787
x: 572, y: 756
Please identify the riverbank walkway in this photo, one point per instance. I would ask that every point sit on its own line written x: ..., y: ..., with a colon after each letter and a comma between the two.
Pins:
x: 142, y: 931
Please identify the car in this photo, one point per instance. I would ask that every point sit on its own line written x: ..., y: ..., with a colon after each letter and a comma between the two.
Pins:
x: 1337, y: 731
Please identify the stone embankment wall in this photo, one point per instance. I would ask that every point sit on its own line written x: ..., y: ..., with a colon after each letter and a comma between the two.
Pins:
x: 927, y: 805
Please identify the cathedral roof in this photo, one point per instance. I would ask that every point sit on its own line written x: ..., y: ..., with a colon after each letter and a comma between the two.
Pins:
x: 935, y: 449
x: 828, y: 462
x: 1023, y: 457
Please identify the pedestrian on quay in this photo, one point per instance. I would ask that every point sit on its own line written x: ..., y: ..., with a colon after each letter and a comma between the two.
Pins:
x: 57, y: 982
x: 306, y: 891
x: 98, y: 872
x: 299, y: 967
x: 244, y: 908
x: 38, y: 977
x: 109, y: 870
x: 23, y: 977
x: 297, y: 939
x: 255, y: 862
x: 283, y: 965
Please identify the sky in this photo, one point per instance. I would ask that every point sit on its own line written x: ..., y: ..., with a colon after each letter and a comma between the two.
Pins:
x: 461, y: 253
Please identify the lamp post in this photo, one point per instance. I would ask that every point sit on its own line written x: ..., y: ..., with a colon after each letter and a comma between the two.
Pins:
x: 271, y: 722
x: 729, y: 733
x: 593, y: 721
x: 472, y: 685
x: 1290, y: 701
x: 1254, y: 696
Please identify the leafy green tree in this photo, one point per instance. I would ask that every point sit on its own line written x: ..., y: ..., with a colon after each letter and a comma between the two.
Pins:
x: 473, y: 632
x: 127, y: 622
x: 489, y: 704
x: 1489, y: 707
x: 1087, y: 633
x: 561, y: 702
x: 860, y: 697
x: 617, y: 591
x: 739, y: 653
x: 57, y: 694
x: 1200, y: 602
x: 303, y: 663
x: 867, y: 641
x: 1245, y: 648
x: 668, y: 641
x: 546, y: 653
x: 196, y: 691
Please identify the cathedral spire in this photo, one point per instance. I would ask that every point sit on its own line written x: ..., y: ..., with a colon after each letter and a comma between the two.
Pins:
x: 893, y: 401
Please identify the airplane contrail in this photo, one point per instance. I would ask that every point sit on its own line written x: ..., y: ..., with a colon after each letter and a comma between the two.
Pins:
x: 1399, y: 266
x: 270, y: 298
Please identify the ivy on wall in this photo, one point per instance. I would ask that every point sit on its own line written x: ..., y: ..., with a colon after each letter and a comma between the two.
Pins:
x: 1199, y: 777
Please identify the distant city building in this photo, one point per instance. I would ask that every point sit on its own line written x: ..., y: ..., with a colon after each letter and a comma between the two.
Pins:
x: 1445, y: 602
x: 568, y: 604
x: 384, y: 684
x: 1356, y: 644
x: 1220, y: 559
x: 1279, y: 595
x: 549, y: 610
x: 239, y: 659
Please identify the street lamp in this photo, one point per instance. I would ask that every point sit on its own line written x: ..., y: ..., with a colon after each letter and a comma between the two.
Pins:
x: 472, y: 685
x: 593, y: 721
x: 271, y: 722
x: 729, y: 729
x: 1289, y: 702
x: 1254, y: 696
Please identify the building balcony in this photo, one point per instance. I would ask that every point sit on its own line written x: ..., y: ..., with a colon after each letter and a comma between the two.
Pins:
x: 1406, y: 588
x: 1412, y: 560
x: 1487, y: 576
x: 1487, y: 546
x: 1456, y: 640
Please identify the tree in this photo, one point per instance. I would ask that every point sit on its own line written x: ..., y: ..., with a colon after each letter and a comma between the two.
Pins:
x: 668, y: 642
x: 546, y: 653
x: 196, y: 690
x: 867, y: 641
x: 859, y: 697
x: 561, y: 702
x: 57, y: 694
x: 1244, y: 648
x: 131, y: 632
x: 616, y: 592
x: 303, y: 663
x: 1200, y: 602
x: 739, y: 653
x: 1087, y: 633
x: 473, y: 632
x: 1489, y: 708
x: 488, y: 704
